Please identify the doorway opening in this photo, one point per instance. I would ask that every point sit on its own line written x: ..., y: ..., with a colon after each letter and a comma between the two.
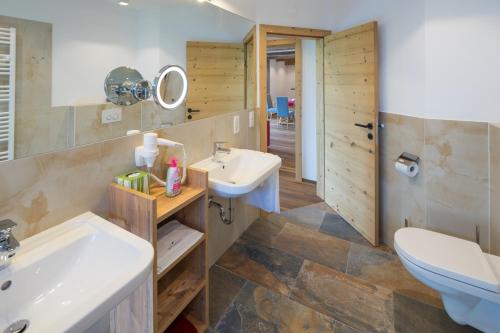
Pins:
x: 281, y: 73
x: 287, y: 58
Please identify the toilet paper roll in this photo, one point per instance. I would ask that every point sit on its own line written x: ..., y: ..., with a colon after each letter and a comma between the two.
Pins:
x: 408, y: 168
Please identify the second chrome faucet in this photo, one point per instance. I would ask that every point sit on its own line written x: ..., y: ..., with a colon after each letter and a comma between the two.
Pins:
x: 219, y: 148
x: 8, y: 244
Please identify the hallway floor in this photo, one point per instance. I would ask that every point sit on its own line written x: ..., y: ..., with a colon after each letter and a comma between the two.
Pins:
x: 282, y: 143
x: 307, y: 270
x: 293, y: 194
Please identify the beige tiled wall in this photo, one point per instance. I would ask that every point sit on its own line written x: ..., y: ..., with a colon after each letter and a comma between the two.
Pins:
x: 153, y: 116
x: 42, y: 191
x: 456, y: 174
x: 89, y: 128
x: 401, y: 197
x: 33, y: 94
x: 451, y: 194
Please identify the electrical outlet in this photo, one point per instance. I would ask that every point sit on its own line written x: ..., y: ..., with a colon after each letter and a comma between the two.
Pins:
x: 236, y: 124
x: 111, y: 116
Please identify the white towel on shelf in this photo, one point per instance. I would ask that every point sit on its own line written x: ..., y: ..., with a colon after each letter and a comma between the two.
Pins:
x: 174, y: 239
x: 267, y: 195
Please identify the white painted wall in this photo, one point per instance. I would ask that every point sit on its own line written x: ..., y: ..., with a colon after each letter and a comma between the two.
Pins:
x: 463, y: 59
x: 86, y: 44
x: 202, y: 22
x: 438, y: 59
x: 309, y: 147
x: 298, y: 13
x: 90, y: 38
x: 402, y: 53
x: 244, y: 8
x: 282, y: 80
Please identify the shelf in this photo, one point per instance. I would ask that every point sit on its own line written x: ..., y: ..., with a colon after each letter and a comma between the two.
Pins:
x: 173, y: 300
x: 180, y: 258
x: 182, y: 285
x: 200, y: 327
x: 166, y: 206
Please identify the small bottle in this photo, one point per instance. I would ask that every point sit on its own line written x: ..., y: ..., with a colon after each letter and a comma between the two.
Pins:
x: 173, y: 181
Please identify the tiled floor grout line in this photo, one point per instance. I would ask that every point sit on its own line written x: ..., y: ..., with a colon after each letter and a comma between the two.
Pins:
x: 228, y: 307
x: 348, y: 259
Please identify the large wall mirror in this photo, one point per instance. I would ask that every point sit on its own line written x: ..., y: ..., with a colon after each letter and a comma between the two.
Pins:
x: 62, y: 50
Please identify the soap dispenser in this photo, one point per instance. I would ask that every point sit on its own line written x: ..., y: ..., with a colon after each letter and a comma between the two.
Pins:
x: 173, y: 181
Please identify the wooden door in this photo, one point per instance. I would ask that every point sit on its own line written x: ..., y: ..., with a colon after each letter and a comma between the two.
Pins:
x: 351, y: 127
x: 216, y: 73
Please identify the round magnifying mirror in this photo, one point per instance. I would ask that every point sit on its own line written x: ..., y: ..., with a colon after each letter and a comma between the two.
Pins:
x: 170, y: 87
x: 125, y: 86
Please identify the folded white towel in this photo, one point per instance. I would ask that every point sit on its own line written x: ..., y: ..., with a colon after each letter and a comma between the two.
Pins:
x: 267, y: 195
x: 174, y: 239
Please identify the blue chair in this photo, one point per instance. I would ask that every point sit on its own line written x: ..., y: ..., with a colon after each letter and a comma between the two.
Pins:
x: 270, y: 109
x: 284, y: 114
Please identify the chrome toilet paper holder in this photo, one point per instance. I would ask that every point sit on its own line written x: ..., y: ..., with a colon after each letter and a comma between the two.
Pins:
x: 405, y: 158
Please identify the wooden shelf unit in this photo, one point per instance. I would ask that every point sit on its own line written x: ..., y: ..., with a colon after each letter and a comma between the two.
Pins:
x: 181, y: 288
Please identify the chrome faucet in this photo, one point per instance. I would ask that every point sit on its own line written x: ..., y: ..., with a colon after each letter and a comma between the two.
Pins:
x: 8, y: 244
x: 219, y: 148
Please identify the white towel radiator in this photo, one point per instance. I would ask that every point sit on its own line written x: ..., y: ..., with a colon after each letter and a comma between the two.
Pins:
x: 7, y: 92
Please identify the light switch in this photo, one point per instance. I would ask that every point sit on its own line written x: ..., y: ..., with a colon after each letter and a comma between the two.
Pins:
x: 251, y: 119
x: 111, y: 116
x: 236, y: 124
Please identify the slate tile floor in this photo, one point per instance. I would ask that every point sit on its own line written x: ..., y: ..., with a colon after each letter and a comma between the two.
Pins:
x: 307, y: 270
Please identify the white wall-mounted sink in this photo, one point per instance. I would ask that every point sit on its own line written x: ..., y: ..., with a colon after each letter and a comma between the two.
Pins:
x: 68, y: 277
x: 238, y: 173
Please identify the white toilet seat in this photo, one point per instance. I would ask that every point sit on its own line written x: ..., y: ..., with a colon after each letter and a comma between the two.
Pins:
x: 466, y: 278
x: 437, y: 281
x: 453, y: 258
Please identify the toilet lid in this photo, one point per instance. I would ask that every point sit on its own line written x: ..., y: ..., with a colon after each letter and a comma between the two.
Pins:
x: 448, y: 256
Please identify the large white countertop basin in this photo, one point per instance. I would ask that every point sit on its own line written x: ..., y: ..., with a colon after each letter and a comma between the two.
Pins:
x: 66, y: 278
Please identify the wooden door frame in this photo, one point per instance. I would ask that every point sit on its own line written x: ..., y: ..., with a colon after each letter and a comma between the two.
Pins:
x: 320, y: 118
x: 251, y: 36
x: 266, y: 31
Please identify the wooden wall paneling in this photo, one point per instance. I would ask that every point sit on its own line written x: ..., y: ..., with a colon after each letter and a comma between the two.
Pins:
x: 320, y: 120
x: 250, y: 41
x: 216, y: 73
x: 351, y: 158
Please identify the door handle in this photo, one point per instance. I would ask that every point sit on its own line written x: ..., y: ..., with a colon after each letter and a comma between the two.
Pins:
x: 369, y: 125
x: 192, y: 110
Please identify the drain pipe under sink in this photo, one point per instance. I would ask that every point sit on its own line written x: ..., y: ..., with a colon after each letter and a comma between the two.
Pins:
x: 222, y: 212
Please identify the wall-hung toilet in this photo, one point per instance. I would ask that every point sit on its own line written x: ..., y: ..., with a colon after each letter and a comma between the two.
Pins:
x: 467, y: 279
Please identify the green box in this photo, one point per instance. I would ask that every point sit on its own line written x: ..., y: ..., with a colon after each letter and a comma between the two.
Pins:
x: 136, y: 180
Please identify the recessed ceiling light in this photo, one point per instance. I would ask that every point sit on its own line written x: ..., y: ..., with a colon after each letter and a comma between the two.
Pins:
x: 123, y: 2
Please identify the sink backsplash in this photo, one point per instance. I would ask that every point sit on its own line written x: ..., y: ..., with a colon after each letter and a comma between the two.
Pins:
x: 42, y: 191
